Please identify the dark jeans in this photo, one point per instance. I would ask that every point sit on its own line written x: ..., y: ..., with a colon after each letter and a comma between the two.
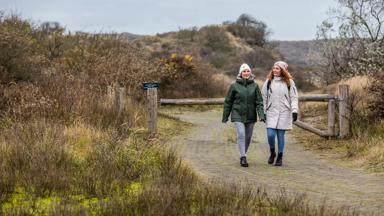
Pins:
x: 271, y: 133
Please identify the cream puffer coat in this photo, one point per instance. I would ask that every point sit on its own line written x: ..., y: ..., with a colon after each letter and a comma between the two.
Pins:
x: 279, y: 103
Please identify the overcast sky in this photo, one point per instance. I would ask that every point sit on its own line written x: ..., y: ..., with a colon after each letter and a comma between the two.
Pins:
x: 287, y: 19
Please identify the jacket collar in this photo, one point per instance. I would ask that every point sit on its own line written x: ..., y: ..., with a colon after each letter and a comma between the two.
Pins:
x: 238, y: 77
x: 245, y: 81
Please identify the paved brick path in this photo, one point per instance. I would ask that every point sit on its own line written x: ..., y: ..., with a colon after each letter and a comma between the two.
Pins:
x: 210, y: 151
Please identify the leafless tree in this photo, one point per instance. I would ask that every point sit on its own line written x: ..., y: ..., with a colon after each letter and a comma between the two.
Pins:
x: 354, y: 36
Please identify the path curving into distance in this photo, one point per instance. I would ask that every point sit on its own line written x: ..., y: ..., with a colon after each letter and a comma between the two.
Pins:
x: 213, y: 155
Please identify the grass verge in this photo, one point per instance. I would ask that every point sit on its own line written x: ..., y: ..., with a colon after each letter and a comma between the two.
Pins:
x: 364, y: 149
x: 50, y: 169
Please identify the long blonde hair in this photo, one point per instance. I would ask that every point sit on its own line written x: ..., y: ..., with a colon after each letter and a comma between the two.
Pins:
x: 284, y: 74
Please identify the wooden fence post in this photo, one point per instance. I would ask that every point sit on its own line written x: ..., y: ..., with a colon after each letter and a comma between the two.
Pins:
x: 300, y: 104
x: 120, y: 99
x: 152, y: 109
x: 344, y: 111
x: 331, y: 117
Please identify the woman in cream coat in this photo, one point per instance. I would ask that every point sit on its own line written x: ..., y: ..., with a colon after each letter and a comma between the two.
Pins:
x: 280, y: 99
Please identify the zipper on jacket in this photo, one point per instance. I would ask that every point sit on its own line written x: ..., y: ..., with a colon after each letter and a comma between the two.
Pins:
x: 246, y: 101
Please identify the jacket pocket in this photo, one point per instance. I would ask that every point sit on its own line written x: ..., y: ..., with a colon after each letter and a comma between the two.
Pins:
x: 287, y: 102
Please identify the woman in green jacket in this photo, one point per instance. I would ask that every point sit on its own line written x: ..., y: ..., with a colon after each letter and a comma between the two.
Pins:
x: 244, y: 102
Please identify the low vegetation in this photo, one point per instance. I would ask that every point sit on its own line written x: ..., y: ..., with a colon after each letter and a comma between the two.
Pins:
x: 364, y: 147
x: 65, y: 149
x: 352, y: 44
x: 80, y: 170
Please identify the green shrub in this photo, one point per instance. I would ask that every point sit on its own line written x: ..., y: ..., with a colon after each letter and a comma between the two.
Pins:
x: 20, y: 56
x: 214, y: 39
x: 254, y: 32
x: 186, y: 77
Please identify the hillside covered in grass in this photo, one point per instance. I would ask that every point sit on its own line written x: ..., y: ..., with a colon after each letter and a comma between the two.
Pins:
x: 223, y: 48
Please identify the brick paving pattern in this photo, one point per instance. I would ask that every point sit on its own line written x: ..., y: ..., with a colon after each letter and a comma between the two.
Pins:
x: 210, y: 151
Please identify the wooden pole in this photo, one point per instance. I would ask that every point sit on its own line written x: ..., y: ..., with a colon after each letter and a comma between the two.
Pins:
x: 192, y: 101
x: 300, y: 104
x: 110, y: 95
x: 152, y: 109
x: 319, y: 98
x: 120, y: 99
x: 344, y: 110
x: 331, y: 117
x: 218, y: 101
x: 310, y: 128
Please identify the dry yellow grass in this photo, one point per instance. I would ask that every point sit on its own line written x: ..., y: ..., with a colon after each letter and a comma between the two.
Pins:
x: 238, y: 43
x: 366, y: 147
x: 3, y: 147
x: 314, y: 113
x: 81, y: 136
x: 222, y: 78
x: 359, y: 94
x: 356, y: 84
x: 361, y: 152
x: 372, y: 156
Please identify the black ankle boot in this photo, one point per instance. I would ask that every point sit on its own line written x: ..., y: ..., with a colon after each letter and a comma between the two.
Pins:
x: 279, y: 160
x: 243, y: 162
x: 272, y: 156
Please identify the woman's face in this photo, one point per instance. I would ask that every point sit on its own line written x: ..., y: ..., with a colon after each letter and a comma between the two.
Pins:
x: 276, y: 70
x: 245, y: 74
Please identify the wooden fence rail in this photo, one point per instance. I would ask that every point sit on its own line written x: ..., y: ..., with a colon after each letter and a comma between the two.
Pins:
x: 218, y: 101
x: 192, y: 101
x: 333, y: 101
x: 312, y: 129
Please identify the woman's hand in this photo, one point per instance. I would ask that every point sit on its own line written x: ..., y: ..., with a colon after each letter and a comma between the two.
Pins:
x: 264, y: 119
x: 294, y: 116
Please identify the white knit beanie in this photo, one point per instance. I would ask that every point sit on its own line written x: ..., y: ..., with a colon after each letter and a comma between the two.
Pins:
x: 282, y: 64
x: 243, y: 67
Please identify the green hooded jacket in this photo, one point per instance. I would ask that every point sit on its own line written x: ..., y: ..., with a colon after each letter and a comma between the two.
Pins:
x: 243, y: 101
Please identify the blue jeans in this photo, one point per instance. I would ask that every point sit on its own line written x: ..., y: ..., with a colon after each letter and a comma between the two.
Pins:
x: 271, y: 133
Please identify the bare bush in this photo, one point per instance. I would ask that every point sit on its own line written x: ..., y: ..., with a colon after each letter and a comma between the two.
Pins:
x: 357, y: 48
x: 46, y: 73
x: 260, y: 57
x: 376, y: 104
x: 187, y: 35
x: 186, y: 77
